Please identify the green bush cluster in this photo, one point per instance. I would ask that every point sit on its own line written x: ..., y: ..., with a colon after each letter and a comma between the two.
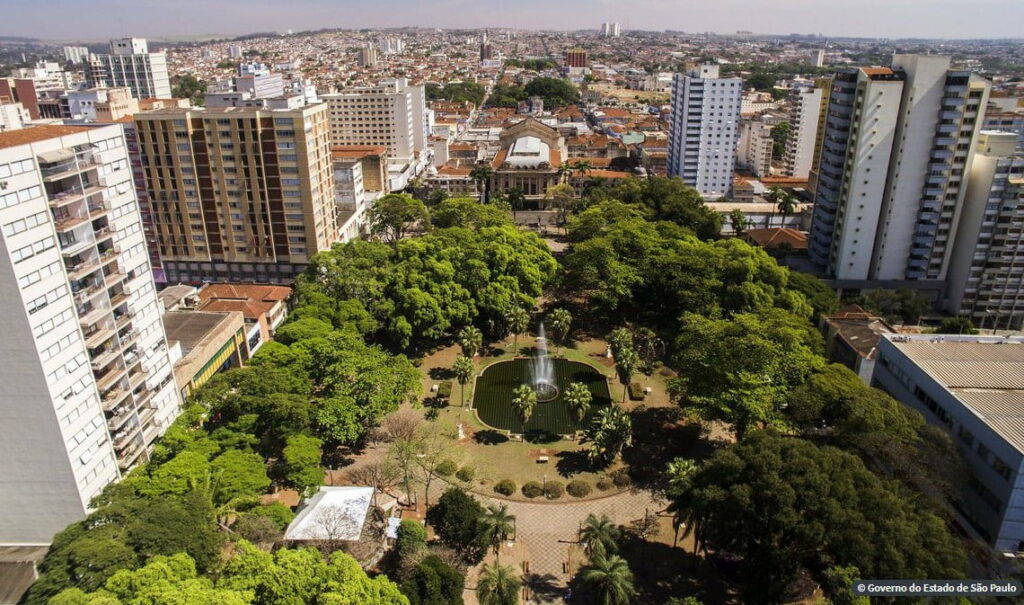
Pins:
x: 505, y: 487
x: 578, y: 488
x: 533, y: 489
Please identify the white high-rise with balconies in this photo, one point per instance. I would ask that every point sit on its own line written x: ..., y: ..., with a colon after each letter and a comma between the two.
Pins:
x: 85, y: 373
x: 806, y: 113
x: 130, y: 64
x: 704, y: 130
x: 392, y: 113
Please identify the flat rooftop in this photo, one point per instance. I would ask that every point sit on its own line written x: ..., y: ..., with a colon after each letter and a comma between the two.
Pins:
x: 986, y: 373
x: 190, y: 328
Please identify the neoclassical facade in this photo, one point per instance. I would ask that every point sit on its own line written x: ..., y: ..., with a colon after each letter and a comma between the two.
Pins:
x: 529, y: 156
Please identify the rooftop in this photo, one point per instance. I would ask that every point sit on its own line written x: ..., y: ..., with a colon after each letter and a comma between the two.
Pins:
x: 190, y: 328
x: 34, y: 134
x: 859, y: 329
x: 336, y: 513
x: 983, y: 372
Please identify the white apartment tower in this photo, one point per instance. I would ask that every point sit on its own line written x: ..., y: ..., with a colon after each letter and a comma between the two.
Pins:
x: 898, y: 146
x: 702, y: 138
x: 986, y: 274
x: 391, y: 45
x: 85, y: 375
x: 392, y: 114
x: 130, y: 64
x: 610, y: 30
x: 754, y: 149
x: 807, y: 112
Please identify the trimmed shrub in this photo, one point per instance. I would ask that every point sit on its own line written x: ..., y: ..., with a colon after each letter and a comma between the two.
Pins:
x: 280, y: 514
x: 553, y: 490
x: 412, y: 537
x: 465, y: 474
x: 444, y: 391
x: 446, y: 468
x: 532, y: 489
x: 578, y: 488
x: 604, y: 484
x: 636, y: 392
x: 621, y: 478
x: 505, y: 487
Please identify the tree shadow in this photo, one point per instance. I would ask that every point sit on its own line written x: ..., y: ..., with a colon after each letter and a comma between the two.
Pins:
x: 662, y: 571
x: 545, y: 588
x: 541, y: 436
x: 659, y: 435
x: 490, y: 437
x: 441, y: 373
x: 573, y: 462
x: 494, y: 351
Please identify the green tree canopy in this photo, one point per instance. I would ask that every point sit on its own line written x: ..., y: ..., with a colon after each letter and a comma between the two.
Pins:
x: 457, y: 519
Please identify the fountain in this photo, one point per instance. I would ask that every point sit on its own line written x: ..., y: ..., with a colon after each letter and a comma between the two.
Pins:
x: 542, y: 371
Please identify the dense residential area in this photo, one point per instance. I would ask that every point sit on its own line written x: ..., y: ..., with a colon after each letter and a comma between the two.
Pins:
x: 442, y: 316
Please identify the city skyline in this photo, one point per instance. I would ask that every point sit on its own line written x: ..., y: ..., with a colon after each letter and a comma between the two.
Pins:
x: 942, y: 19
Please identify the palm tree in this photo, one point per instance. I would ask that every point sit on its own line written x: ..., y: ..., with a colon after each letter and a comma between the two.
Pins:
x: 608, y: 581
x: 518, y: 319
x: 481, y: 175
x: 524, y: 399
x: 610, y: 431
x: 774, y: 196
x: 498, y: 585
x: 601, y: 533
x: 578, y: 397
x: 560, y: 321
x: 497, y: 526
x: 786, y: 205
x: 626, y: 362
x: 463, y: 369
x: 516, y: 200
x: 471, y: 340
x: 620, y: 339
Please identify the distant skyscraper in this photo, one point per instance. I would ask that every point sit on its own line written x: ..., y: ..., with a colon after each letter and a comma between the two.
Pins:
x: 819, y: 58
x: 86, y: 373
x: 702, y: 138
x: 985, y: 279
x: 241, y: 194
x: 897, y: 148
x: 486, y: 49
x: 610, y: 30
x: 391, y: 45
x: 131, y: 64
x: 235, y: 51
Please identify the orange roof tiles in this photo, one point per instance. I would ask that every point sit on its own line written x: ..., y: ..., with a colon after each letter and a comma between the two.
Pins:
x: 357, y: 151
x: 776, y: 236
x: 34, y: 134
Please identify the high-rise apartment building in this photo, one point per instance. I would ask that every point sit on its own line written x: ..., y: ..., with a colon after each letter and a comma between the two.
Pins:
x: 13, y: 116
x: 574, y: 57
x: 809, y: 106
x: 610, y: 30
x: 76, y: 54
x: 754, y: 149
x: 898, y: 146
x: 85, y: 374
x: 238, y: 194
x: 130, y: 64
x: 235, y: 51
x: 704, y: 129
x: 986, y: 273
x: 391, y: 45
x: 393, y: 114
x: 367, y: 56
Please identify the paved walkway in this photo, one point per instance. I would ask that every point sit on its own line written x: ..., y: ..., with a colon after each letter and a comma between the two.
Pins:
x: 546, y: 532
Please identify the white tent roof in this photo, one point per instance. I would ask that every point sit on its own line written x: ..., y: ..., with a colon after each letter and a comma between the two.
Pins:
x: 334, y: 513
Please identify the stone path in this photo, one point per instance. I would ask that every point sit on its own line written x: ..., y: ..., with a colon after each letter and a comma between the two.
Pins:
x: 547, y: 531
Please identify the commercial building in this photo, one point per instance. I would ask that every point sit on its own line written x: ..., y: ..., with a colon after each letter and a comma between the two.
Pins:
x: 972, y: 388
x: 898, y: 145
x: 851, y: 338
x: 85, y: 374
x: 392, y: 114
x: 986, y: 275
x: 129, y: 63
x: 703, y: 133
x: 240, y: 194
x: 13, y: 116
x: 204, y: 343
x: 809, y: 107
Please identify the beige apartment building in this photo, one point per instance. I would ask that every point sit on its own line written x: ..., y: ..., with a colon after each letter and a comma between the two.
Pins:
x: 237, y: 193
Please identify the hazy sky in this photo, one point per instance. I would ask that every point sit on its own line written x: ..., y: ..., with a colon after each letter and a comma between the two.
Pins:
x: 97, y: 19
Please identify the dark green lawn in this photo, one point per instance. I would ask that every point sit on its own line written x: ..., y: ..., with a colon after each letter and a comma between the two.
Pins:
x: 493, y: 396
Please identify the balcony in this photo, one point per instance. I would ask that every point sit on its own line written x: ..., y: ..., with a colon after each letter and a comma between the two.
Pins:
x: 137, y: 378
x: 97, y: 336
x: 114, y: 397
x: 113, y: 277
x: 86, y: 294
x: 120, y: 416
x: 81, y: 269
x: 74, y: 194
x: 123, y: 319
x: 63, y: 224
x: 55, y: 172
x: 124, y: 436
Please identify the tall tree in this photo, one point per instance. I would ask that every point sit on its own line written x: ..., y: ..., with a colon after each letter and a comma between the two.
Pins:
x: 471, y: 340
x: 626, y: 362
x: 518, y: 319
x: 498, y: 585
x: 607, y: 580
x: 463, y: 370
x: 738, y: 221
x: 391, y: 216
x: 516, y: 200
x: 481, y: 175
x: 578, y: 397
x: 786, y: 205
x: 599, y: 531
x: 524, y: 400
x: 560, y: 321
x: 609, y: 433
x: 457, y: 519
x: 498, y: 525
